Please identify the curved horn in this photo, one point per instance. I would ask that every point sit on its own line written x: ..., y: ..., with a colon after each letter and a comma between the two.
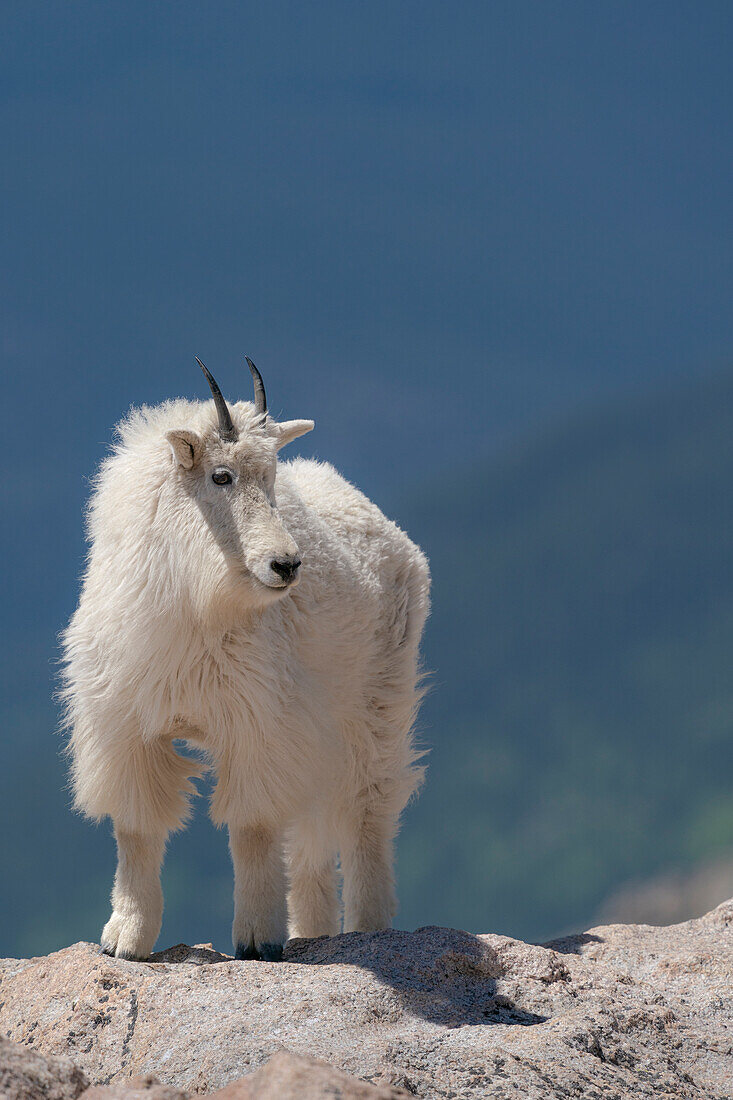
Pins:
x: 260, y: 399
x: 227, y: 431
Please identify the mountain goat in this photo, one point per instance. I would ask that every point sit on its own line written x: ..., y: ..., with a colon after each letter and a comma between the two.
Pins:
x: 299, y: 682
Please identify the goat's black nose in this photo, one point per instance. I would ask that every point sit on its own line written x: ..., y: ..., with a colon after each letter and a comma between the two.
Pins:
x: 285, y: 568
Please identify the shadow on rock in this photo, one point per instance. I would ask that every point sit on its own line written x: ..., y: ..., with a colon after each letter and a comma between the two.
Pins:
x: 445, y: 976
x: 572, y: 945
x: 203, y: 954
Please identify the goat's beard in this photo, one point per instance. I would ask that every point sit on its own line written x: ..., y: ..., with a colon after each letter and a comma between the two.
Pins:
x: 238, y: 594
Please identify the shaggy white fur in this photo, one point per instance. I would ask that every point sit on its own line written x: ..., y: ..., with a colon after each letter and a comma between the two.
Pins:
x: 302, y: 697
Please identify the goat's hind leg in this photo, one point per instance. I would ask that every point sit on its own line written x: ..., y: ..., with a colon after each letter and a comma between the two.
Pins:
x: 313, y: 899
x: 367, y: 860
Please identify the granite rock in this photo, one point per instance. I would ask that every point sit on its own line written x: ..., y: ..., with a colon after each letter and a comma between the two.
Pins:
x: 27, y: 1075
x: 619, y: 1011
x: 145, y: 1087
x: 297, y: 1077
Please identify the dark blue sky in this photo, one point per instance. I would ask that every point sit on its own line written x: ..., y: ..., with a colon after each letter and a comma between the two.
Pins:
x: 432, y: 225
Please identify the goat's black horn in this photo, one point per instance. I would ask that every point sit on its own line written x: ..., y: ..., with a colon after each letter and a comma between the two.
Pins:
x: 260, y: 398
x: 227, y: 431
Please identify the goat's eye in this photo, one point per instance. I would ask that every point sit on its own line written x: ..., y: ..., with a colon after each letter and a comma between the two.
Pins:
x: 221, y: 477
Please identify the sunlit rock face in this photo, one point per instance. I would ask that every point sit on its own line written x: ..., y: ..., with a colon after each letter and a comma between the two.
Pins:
x: 621, y: 1010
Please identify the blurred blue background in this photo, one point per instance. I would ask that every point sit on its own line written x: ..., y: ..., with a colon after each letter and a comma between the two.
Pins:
x: 488, y: 248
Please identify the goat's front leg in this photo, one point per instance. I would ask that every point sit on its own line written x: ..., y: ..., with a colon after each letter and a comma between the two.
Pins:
x: 260, y: 911
x: 137, y: 898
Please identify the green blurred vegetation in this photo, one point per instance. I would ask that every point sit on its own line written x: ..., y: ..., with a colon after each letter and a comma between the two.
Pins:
x: 581, y: 705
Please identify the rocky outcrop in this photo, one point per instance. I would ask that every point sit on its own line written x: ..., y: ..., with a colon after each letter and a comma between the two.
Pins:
x: 27, y: 1075
x: 620, y: 1011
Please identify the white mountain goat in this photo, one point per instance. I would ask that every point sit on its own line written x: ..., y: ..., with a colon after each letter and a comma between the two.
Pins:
x: 190, y: 626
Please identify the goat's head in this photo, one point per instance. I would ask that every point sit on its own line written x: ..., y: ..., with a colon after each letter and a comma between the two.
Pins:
x: 224, y: 467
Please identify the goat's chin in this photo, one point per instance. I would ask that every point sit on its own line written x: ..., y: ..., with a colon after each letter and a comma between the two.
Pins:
x: 240, y: 594
x: 265, y: 594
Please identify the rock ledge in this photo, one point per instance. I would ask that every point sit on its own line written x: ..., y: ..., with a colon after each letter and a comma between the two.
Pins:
x: 619, y: 1011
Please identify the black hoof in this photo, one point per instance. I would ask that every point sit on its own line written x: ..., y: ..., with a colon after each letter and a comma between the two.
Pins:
x: 246, y: 952
x: 265, y: 952
x: 271, y: 952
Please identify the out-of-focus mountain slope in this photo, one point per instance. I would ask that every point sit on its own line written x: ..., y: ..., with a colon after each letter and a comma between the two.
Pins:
x: 582, y: 637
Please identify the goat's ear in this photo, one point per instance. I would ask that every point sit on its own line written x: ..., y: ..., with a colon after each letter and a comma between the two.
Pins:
x: 291, y: 429
x: 186, y: 447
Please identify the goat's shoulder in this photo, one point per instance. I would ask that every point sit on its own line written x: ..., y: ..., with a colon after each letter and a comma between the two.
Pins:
x: 325, y: 493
